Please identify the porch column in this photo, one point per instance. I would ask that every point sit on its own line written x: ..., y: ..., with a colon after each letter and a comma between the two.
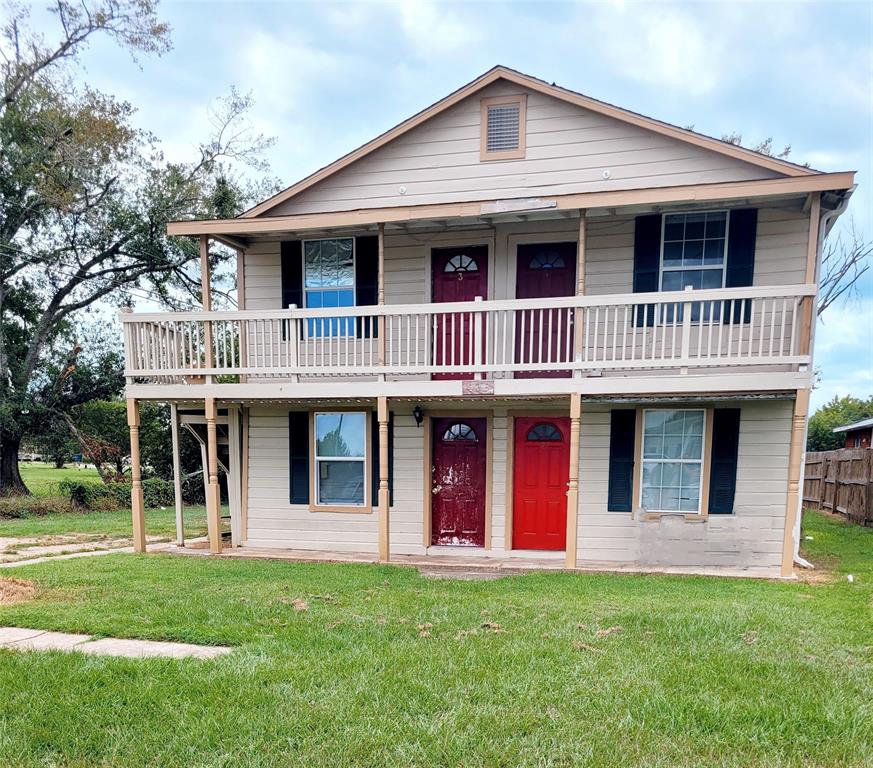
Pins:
x: 384, y: 496
x: 380, y: 321
x: 137, y: 502
x: 213, y: 491
x: 177, y: 475
x: 573, y: 482
x: 807, y: 314
x: 206, y: 293
x: 578, y: 315
x: 795, y: 478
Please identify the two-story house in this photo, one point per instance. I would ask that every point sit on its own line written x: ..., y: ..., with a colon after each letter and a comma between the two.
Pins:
x: 521, y: 324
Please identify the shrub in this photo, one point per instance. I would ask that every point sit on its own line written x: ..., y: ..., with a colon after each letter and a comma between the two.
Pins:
x: 96, y: 495
x: 12, y: 507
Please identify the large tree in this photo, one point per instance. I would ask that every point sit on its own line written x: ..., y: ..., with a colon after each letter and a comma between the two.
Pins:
x: 839, y: 412
x: 85, y: 197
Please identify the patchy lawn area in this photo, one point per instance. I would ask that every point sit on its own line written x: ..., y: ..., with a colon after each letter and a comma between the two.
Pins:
x: 362, y: 665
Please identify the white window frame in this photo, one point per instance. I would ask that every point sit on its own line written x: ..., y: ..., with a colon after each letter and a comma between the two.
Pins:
x: 519, y: 99
x: 353, y: 286
x: 364, y: 460
x: 722, y: 266
x: 702, y: 461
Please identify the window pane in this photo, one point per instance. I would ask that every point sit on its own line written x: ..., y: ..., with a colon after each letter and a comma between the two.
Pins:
x: 715, y: 224
x: 711, y: 278
x: 328, y: 263
x: 694, y: 226
x: 652, y: 474
x: 339, y: 434
x: 653, y: 447
x: 674, y: 422
x: 690, y: 500
x: 312, y: 265
x: 672, y: 281
x: 673, y: 254
x: 713, y: 252
x: 673, y: 446
x: 692, y: 446
x: 669, y: 499
x: 693, y: 422
x: 691, y: 475
x: 671, y: 474
x: 341, y: 482
x: 693, y: 255
x: 651, y: 498
x: 674, y: 227
x: 655, y: 421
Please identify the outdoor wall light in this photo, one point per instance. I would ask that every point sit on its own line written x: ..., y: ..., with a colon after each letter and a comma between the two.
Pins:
x: 418, y: 415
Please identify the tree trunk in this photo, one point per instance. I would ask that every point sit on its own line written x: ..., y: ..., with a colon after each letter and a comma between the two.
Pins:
x: 11, y: 483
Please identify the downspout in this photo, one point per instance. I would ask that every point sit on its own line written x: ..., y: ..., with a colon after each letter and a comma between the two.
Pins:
x: 822, y: 233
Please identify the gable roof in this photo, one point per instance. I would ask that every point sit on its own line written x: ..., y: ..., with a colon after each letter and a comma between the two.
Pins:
x: 504, y: 73
x: 857, y: 425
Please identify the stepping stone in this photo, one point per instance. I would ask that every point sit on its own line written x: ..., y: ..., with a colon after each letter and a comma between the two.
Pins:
x: 50, y: 641
x: 138, y: 649
x: 14, y: 634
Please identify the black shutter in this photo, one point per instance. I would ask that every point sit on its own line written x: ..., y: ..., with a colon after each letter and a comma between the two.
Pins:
x: 723, y: 466
x: 292, y: 273
x: 367, y: 282
x: 740, y: 267
x: 647, y: 261
x: 374, y: 458
x: 298, y: 443
x: 622, y: 428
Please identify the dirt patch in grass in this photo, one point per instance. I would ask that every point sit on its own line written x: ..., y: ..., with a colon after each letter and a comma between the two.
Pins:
x: 14, y: 591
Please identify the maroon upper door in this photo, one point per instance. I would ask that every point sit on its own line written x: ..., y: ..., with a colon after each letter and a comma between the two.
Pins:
x: 457, y: 274
x: 459, y: 469
x: 539, y: 486
x: 544, y: 270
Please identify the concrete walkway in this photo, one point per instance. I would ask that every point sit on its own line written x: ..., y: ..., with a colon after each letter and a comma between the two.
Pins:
x: 21, y: 639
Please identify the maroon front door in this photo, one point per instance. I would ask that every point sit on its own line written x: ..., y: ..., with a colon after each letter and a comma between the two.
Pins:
x: 458, y: 482
x: 457, y: 274
x: 539, y: 485
x: 543, y: 271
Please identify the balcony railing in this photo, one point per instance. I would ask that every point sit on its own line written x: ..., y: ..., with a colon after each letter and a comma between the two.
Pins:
x: 527, y: 337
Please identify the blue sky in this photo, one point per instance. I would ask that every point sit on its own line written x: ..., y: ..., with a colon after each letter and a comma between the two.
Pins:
x: 326, y: 77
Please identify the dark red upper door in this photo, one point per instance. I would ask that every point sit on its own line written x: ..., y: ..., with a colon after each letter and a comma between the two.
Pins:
x: 458, y: 274
x: 459, y: 469
x: 541, y: 473
x: 545, y: 270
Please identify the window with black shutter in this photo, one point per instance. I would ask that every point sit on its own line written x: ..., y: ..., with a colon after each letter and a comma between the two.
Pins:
x: 622, y: 429
x: 298, y: 445
x: 723, y: 460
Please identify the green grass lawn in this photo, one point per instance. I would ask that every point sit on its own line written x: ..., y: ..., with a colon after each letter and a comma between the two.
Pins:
x: 42, y: 479
x: 113, y: 524
x: 385, y: 667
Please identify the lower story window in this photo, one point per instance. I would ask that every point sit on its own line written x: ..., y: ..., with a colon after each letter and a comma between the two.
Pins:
x: 672, y: 460
x: 340, y: 459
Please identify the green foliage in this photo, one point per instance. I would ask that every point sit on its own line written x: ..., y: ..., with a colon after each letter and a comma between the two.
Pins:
x: 836, y: 413
x: 157, y: 492
x: 19, y: 507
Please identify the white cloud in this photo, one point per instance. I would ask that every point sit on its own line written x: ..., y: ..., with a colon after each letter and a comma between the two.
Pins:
x: 844, y: 351
x: 437, y: 29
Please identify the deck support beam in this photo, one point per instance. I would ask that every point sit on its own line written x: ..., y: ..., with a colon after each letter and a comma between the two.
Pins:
x: 177, y: 475
x: 579, y: 313
x: 380, y: 298
x: 213, y: 490
x: 573, y: 482
x: 384, y: 494
x: 206, y: 293
x: 137, y: 501
x: 795, y: 478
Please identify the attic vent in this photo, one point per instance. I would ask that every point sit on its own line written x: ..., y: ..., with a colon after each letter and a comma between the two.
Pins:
x: 503, y: 127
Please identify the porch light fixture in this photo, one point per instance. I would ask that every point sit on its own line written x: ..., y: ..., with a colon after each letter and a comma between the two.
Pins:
x: 418, y: 415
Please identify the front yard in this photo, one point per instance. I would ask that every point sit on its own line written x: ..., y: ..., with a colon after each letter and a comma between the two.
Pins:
x: 365, y: 665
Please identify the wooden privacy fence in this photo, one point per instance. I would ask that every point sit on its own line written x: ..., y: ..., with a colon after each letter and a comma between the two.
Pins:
x: 841, y: 481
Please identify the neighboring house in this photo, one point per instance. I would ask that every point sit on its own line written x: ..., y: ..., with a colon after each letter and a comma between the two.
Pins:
x: 859, y: 434
x: 521, y: 324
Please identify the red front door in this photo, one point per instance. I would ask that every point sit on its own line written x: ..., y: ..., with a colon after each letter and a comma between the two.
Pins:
x: 458, y: 274
x: 458, y: 487
x: 543, y: 271
x: 542, y: 470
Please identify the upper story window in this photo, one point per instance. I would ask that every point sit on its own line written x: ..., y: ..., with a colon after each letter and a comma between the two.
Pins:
x: 329, y: 281
x: 693, y: 250
x: 503, y: 120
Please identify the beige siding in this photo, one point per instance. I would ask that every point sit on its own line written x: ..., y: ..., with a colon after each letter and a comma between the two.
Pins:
x: 568, y: 150
x: 750, y: 538
x: 780, y: 257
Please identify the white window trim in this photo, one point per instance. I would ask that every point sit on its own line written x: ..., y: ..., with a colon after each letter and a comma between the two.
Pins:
x: 315, y: 481
x: 701, y: 461
x: 722, y: 266
x: 354, y: 286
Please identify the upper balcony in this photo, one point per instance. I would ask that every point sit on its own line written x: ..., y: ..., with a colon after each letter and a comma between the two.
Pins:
x: 533, y: 343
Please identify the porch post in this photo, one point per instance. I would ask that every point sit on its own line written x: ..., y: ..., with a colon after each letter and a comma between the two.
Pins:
x: 137, y: 502
x: 795, y: 478
x: 213, y: 491
x: 177, y: 475
x: 206, y: 292
x: 384, y: 496
x: 807, y: 313
x: 578, y: 314
x: 573, y: 482
x: 380, y: 321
